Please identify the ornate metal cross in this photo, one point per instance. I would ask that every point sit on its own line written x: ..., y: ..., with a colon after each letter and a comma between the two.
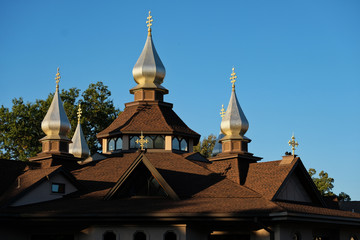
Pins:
x: 79, y: 112
x: 294, y: 144
x: 149, y: 22
x: 233, y: 77
x: 222, y: 111
x: 141, y: 141
x: 57, y: 78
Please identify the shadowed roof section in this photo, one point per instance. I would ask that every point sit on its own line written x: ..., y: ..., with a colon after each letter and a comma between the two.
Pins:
x: 267, y: 177
x: 26, y: 181
x: 149, y: 118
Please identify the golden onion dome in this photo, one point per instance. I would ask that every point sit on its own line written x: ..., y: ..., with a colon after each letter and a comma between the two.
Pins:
x: 234, y: 123
x: 56, y: 124
x: 149, y: 72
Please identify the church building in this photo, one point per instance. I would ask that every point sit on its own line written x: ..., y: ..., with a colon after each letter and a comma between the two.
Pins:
x: 149, y: 184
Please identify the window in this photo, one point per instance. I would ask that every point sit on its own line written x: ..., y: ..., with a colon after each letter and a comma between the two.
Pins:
x: 170, y: 235
x: 175, y: 144
x: 296, y: 236
x: 111, y: 145
x: 58, y: 188
x: 184, y: 145
x: 133, y: 144
x: 179, y: 143
x: 139, y: 236
x: 150, y: 142
x: 118, y: 144
x: 109, y: 236
x: 159, y: 142
x: 153, y: 142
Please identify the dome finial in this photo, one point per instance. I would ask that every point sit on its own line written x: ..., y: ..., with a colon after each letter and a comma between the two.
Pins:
x: 57, y: 78
x: 222, y: 111
x: 149, y: 23
x: 233, y: 77
x: 79, y: 113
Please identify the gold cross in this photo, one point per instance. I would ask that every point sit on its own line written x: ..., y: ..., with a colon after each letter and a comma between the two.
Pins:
x: 222, y: 111
x: 149, y: 22
x: 141, y: 141
x: 57, y: 78
x: 293, y: 143
x: 233, y: 77
x: 79, y: 113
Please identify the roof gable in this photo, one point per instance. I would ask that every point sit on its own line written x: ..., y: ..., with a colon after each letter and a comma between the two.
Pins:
x: 34, y: 186
x: 275, y: 181
x: 141, y: 179
x: 299, y: 187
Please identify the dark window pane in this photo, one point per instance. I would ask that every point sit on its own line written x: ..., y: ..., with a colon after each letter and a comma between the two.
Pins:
x: 159, y: 142
x: 58, y: 188
x: 170, y: 236
x: 149, y: 144
x: 133, y: 143
x: 139, y: 236
x: 109, y: 236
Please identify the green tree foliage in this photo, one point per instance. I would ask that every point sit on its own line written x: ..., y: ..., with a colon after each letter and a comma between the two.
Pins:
x: 325, y: 184
x: 206, y: 146
x: 20, y: 126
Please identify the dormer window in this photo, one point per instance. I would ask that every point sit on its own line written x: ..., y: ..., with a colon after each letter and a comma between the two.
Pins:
x: 58, y: 188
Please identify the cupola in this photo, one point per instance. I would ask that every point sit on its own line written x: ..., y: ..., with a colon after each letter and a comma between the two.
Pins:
x: 234, y: 124
x: 148, y: 122
x: 56, y: 125
x: 149, y: 72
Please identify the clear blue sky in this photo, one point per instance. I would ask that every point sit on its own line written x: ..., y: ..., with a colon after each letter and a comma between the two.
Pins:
x: 298, y: 66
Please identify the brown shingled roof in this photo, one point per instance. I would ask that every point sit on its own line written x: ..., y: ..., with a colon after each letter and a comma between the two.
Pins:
x: 267, y: 177
x: 25, y: 182
x: 149, y: 118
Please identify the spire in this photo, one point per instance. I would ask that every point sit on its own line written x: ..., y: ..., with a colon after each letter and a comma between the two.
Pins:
x: 234, y: 123
x: 149, y: 71
x: 56, y: 125
x: 79, y: 147
x: 217, y: 147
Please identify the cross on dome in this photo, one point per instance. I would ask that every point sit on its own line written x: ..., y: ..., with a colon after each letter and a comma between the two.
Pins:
x: 222, y: 111
x: 233, y: 77
x: 79, y: 112
x: 57, y: 78
x: 149, y: 22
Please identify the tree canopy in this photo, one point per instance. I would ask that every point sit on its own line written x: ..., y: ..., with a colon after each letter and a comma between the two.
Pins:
x: 20, y: 126
x: 324, y: 184
x: 206, y: 146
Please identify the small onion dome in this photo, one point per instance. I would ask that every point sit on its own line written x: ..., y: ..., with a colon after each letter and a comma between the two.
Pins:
x: 234, y: 123
x: 56, y: 124
x: 149, y: 71
x: 79, y: 147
